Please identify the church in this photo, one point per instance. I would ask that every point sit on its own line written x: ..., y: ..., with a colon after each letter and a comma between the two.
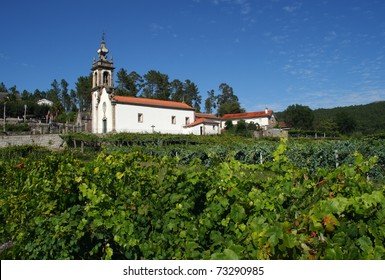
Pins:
x: 112, y: 113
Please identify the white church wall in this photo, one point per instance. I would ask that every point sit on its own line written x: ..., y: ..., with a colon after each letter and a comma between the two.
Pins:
x: 193, y: 130
x: 102, y: 114
x: 146, y: 119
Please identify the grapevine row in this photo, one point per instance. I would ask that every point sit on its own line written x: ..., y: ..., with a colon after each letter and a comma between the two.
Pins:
x: 139, y: 206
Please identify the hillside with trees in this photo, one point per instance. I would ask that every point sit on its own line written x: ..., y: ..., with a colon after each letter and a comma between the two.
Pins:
x: 366, y: 119
x: 349, y: 120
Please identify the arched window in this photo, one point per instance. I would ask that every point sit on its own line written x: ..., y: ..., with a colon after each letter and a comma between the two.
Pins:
x: 95, y: 79
x: 106, y: 78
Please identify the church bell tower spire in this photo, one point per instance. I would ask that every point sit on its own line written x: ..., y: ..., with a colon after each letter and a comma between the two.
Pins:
x: 103, y: 103
x: 103, y: 69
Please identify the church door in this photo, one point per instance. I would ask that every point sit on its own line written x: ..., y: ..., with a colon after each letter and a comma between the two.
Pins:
x: 104, y: 125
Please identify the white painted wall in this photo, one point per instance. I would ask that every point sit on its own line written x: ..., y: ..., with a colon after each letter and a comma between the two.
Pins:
x: 93, y: 112
x: 107, y: 115
x: 262, y: 122
x: 160, y: 118
x: 207, y: 129
x: 212, y: 129
x: 98, y: 115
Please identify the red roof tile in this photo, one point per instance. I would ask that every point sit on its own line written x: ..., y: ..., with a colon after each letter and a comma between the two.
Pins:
x: 250, y: 115
x: 152, y: 102
x: 206, y: 116
x: 202, y: 120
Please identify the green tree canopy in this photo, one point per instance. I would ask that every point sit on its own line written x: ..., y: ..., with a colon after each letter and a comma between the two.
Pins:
x: 346, y: 123
x: 191, y: 95
x: 83, y: 92
x: 128, y: 84
x: 299, y: 116
x: 229, y: 108
x: 210, y: 102
x: 156, y: 86
x: 226, y: 102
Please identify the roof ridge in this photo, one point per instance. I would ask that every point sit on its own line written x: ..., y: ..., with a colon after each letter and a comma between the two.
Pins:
x: 152, y: 102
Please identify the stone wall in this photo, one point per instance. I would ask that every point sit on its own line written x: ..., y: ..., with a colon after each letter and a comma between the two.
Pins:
x: 272, y: 132
x: 52, y: 141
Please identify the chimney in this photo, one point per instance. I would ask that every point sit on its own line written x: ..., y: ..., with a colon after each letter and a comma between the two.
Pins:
x: 266, y: 111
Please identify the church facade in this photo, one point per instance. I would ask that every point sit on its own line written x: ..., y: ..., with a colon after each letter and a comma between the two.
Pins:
x: 112, y: 113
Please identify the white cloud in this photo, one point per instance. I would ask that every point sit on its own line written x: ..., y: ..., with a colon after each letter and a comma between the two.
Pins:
x: 292, y: 8
x: 244, y: 5
x: 339, y: 98
x: 330, y: 36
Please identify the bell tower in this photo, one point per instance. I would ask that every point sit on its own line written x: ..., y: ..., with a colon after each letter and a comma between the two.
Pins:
x: 103, y: 104
x: 103, y: 70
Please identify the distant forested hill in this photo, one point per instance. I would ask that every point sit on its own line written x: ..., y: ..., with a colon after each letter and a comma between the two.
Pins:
x: 369, y: 118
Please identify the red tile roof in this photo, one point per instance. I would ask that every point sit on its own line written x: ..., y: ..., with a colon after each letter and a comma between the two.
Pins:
x: 206, y: 116
x: 250, y: 115
x: 202, y: 120
x: 151, y: 102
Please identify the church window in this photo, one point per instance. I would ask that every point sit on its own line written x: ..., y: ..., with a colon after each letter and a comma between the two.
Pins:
x: 140, y: 117
x: 187, y: 120
x: 95, y: 79
x: 173, y: 119
x: 106, y: 78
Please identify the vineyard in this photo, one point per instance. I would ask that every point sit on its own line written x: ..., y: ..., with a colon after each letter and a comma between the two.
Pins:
x: 186, y: 198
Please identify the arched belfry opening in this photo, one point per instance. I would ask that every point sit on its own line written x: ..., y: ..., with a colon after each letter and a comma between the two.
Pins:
x: 95, y: 80
x: 103, y: 68
x: 106, y: 78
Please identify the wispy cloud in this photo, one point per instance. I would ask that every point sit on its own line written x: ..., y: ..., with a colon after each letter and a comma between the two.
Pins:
x: 334, y: 98
x: 330, y: 36
x: 292, y: 8
x: 244, y: 6
x: 25, y: 65
x: 3, y: 56
x: 157, y: 29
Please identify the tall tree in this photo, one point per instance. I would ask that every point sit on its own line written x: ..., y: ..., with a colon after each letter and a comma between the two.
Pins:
x: 13, y: 94
x: 227, y: 94
x: 299, y: 116
x: 191, y: 95
x: 128, y: 84
x: 210, y: 102
x: 83, y: 92
x: 74, y: 100
x: 186, y: 92
x: 65, y: 97
x: 54, y: 94
x: 122, y: 81
x: 346, y: 123
x: 227, y: 101
x: 3, y: 88
x: 26, y: 95
x: 229, y: 108
x: 156, y: 85
x: 135, y: 83
x: 177, y: 90
x: 37, y: 94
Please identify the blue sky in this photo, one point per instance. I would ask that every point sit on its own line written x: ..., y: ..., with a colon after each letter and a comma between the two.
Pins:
x: 273, y: 53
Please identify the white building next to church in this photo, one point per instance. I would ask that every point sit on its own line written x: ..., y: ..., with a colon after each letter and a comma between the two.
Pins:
x: 112, y: 113
x: 264, y: 119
